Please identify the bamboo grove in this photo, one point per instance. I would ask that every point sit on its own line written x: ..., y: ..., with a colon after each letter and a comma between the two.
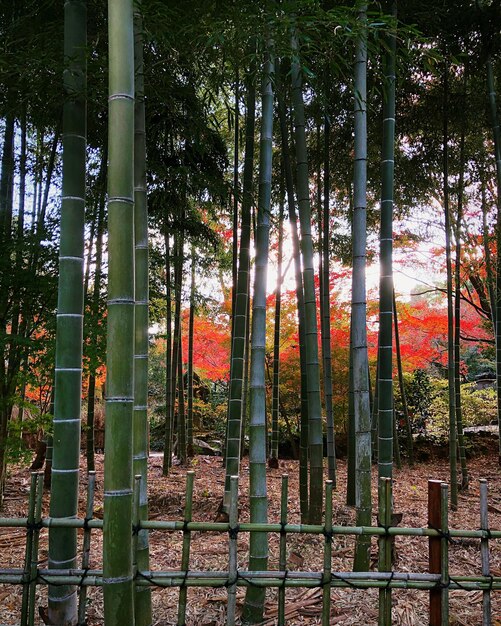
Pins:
x: 310, y: 131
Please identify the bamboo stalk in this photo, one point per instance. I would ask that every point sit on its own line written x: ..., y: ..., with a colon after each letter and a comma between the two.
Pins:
x: 362, y: 418
x: 69, y: 329
x: 89, y: 512
x: 315, y: 437
x: 327, y: 573
x: 385, y: 546
x: 282, y: 559
x: 135, y: 521
x: 27, y: 553
x: 289, y: 183
x: 386, y: 428
x: 408, y: 427
x: 232, y: 579
x: 240, y: 320
x: 258, y: 542
x: 185, y: 557
x: 484, y: 552
x: 118, y: 473
x: 142, y: 599
x: 34, y: 549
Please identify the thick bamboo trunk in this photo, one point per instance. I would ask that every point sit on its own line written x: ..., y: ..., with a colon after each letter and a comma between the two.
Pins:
x: 69, y: 330
x: 385, y: 352
x: 118, y: 483
x: 258, y: 542
x: 362, y: 419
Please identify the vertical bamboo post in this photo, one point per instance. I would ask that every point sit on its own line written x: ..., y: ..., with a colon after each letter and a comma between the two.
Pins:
x: 136, y: 499
x: 89, y: 513
x: 327, y: 576
x: 233, y: 547
x: 444, y: 552
x: 34, y: 548
x: 385, y: 546
x: 484, y: 553
x: 27, y: 553
x: 434, y: 521
x: 185, y: 557
x: 282, y: 559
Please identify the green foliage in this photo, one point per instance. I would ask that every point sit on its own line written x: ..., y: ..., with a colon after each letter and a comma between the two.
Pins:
x: 428, y: 404
x: 418, y: 390
x: 37, y: 423
x: 478, y: 407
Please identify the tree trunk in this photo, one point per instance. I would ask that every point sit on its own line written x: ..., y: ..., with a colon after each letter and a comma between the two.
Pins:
x: 169, y: 388
x: 177, y: 353
x: 496, y: 133
x: 191, y: 329
x: 450, y: 312
x: 457, y: 303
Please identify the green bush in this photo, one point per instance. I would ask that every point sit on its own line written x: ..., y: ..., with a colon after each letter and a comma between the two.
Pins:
x: 478, y: 407
x: 34, y: 423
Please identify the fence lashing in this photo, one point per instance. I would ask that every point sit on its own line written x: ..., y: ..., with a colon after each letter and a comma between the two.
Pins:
x: 438, y: 581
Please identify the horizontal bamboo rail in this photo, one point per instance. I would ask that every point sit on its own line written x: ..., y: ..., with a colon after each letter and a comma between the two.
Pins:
x: 437, y: 581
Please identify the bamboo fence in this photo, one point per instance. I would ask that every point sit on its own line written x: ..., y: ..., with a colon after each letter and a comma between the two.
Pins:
x: 437, y: 580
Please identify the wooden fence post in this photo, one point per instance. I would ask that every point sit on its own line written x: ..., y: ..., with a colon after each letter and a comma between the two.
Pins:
x: 435, y: 521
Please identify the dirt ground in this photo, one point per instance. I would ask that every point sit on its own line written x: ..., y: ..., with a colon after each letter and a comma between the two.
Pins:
x: 209, y: 551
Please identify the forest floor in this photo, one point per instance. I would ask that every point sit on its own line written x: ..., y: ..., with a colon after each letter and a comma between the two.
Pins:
x: 206, y: 607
